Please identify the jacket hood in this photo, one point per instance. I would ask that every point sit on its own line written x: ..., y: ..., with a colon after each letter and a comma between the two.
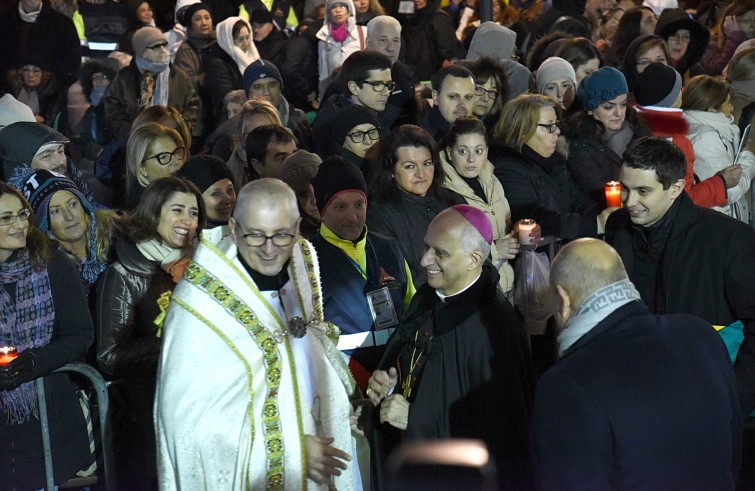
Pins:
x: 702, y: 121
x: 493, y: 40
x: 19, y: 142
x: 224, y: 33
x: 628, y: 67
x: 107, y: 66
x: 670, y: 21
x: 352, y: 12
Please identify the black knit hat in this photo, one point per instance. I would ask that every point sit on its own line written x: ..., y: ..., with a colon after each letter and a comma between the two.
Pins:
x: 188, y: 12
x: 335, y: 176
x: 348, y: 117
x: 658, y: 85
x: 204, y: 171
x: 260, y: 16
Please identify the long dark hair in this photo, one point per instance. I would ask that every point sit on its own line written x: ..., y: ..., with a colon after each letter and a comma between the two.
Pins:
x: 380, y: 168
x: 583, y: 125
x: 141, y: 223
x: 38, y: 245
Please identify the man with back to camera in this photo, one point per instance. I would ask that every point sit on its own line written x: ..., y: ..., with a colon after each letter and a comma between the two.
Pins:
x: 636, y: 401
x: 683, y: 258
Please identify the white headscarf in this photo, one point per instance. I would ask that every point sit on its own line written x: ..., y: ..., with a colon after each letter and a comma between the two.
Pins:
x: 225, y: 40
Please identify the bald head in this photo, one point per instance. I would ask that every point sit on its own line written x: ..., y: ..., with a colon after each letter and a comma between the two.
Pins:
x: 265, y: 193
x: 585, y: 266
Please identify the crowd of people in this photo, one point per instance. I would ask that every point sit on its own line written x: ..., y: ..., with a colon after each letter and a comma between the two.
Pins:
x: 289, y: 233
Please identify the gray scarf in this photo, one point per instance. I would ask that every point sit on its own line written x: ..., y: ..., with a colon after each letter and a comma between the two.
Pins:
x: 593, y: 309
x: 618, y: 140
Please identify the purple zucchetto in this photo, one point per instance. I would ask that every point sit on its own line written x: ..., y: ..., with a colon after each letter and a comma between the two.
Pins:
x: 478, y: 219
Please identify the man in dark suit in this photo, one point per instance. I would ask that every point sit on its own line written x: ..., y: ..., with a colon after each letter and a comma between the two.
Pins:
x: 636, y: 401
x: 683, y: 258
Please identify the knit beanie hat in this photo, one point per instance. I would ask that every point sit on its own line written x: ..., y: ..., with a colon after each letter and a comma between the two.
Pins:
x: 188, y: 12
x: 13, y: 111
x: 334, y: 176
x: 299, y: 169
x: 551, y: 68
x: 260, y: 69
x: 39, y: 186
x: 493, y: 40
x: 478, y: 219
x: 204, y: 171
x: 348, y: 117
x: 146, y: 37
x: 659, y: 85
x: 601, y: 86
x: 180, y: 6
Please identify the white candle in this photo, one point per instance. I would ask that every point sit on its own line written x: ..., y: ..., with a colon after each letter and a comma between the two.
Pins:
x: 526, y: 225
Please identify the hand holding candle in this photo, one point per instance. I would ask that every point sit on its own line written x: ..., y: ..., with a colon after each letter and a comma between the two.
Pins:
x: 7, y: 355
x: 613, y: 194
x: 526, y: 226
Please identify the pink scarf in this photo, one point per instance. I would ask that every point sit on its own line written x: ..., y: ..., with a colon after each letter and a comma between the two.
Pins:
x: 339, y: 33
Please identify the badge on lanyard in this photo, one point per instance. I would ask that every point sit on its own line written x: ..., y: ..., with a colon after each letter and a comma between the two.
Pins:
x: 381, y: 306
x: 406, y: 7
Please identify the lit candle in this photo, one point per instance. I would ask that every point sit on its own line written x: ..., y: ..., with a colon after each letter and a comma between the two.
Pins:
x: 526, y: 225
x: 7, y: 355
x: 613, y: 193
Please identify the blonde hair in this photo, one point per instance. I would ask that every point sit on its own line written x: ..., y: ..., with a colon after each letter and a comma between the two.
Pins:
x: 519, y: 118
x: 256, y: 105
x: 158, y: 114
x: 141, y: 139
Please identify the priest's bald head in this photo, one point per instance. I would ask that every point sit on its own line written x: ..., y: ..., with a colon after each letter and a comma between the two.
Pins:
x: 457, y: 244
x: 581, y: 268
x: 265, y: 225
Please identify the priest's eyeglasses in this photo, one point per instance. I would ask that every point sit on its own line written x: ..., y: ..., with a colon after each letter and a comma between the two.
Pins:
x: 256, y: 239
x: 551, y: 127
x: 164, y: 158
x: 8, y: 220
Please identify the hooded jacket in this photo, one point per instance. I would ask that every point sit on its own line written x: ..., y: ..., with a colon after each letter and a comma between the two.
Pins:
x: 670, y: 21
x: 629, y: 66
x: 492, y: 40
x: 331, y: 53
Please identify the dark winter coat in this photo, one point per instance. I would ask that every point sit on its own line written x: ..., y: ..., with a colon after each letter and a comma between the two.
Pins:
x: 639, y: 402
x: 429, y: 38
x: 476, y: 380
x: 543, y: 189
x: 52, y: 39
x: 122, y: 99
x: 221, y: 76
x: 21, y: 461
x: 707, y: 269
x: 296, y: 59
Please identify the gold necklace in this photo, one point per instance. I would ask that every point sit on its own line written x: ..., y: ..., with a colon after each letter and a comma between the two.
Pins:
x: 407, y: 385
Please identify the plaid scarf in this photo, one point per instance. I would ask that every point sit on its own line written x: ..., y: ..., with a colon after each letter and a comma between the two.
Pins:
x: 25, y: 322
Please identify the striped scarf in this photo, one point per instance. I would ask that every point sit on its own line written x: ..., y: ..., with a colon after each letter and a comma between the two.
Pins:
x: 25, y: 322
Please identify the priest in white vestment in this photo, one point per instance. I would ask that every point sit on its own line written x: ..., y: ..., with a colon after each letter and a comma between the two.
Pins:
x: 252, y: 392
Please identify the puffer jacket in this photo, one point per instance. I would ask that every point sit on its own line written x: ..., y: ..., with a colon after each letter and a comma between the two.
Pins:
x: 496, y: 207
x: 122, y: 99
x: 715, y: 138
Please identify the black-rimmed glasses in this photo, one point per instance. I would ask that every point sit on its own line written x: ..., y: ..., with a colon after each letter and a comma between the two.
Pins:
x: 8, y: 220
x: 380, y: 86
x: 164, y: 158
x: 358, y: 136
x: 158, y: 46
x: 257, y: 239
x: 481, y: 91
x: 551, y: 127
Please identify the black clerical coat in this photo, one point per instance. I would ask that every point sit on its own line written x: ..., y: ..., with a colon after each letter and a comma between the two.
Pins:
x: 475, y: 377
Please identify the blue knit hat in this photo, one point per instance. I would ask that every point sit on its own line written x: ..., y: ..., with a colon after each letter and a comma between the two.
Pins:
x: 601, y: 86
x: 260, y: 69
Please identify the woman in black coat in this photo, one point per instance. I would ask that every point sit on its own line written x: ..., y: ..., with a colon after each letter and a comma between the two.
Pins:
x: 599, y: 134
x: 44, y: 315
x: 405, y: 182
x: 534, y: 176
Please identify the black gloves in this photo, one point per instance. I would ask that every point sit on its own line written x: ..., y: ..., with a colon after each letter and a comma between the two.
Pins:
x: 18, y: 371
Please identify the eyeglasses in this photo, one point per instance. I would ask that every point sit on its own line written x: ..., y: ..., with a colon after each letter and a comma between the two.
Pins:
x: 358, y: 136
x: 8, y: 220
x: 380, y: 86
x: 158, y: 46
x: 256, y: 239
x: 164, y: 158
x: 679, y: 39
x: 481, y: 91
x: 551, y: 127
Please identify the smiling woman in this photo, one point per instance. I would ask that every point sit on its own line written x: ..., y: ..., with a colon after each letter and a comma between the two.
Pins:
x: 158, y: 240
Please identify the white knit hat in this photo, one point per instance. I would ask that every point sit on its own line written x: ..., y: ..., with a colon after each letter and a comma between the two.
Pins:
x: 551, y: 68
x: 13, y: 111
